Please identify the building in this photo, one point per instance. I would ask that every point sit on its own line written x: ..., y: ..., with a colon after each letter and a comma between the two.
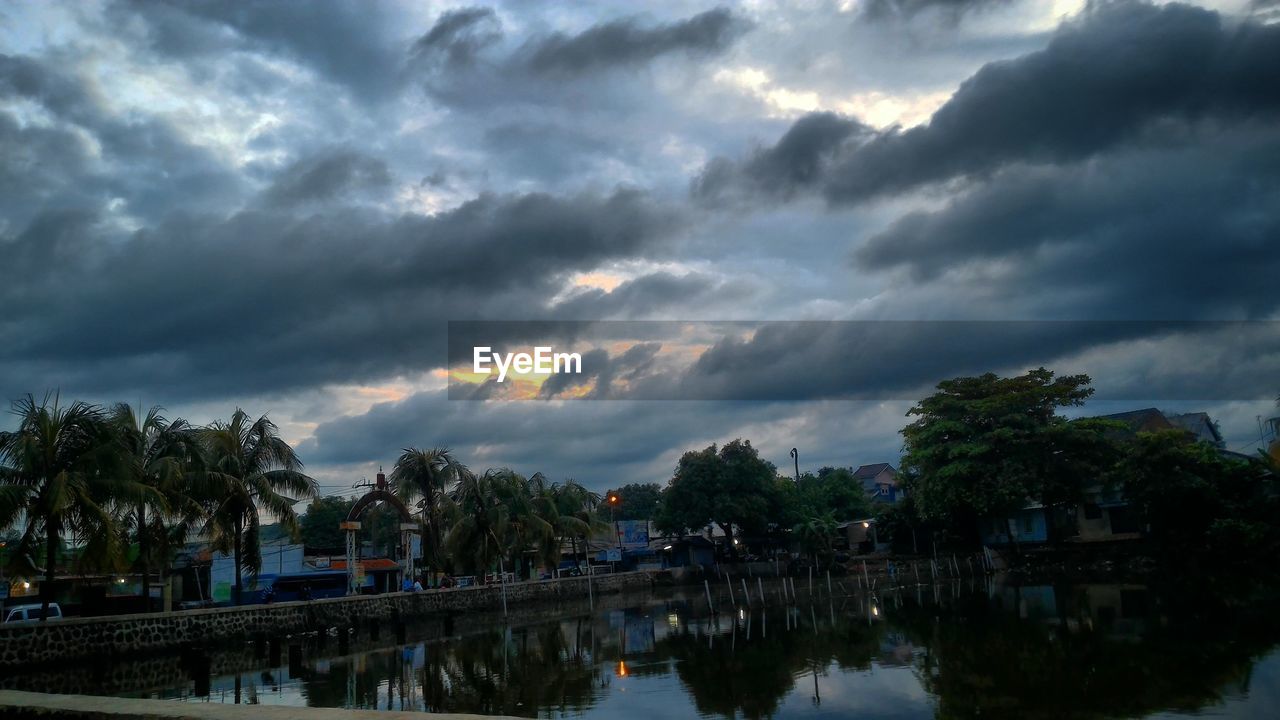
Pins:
x: 880, y: 481
x: 1105, y: 514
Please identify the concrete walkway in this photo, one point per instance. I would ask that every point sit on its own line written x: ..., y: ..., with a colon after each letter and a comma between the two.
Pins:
x: 25, y: 705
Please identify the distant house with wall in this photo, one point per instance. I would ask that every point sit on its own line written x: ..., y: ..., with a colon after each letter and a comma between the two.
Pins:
x: 1105, y: 514
x: 880, y: 481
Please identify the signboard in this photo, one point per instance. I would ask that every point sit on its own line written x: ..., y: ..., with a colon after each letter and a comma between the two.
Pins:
x: 613, y: 555
x: 633, y: 534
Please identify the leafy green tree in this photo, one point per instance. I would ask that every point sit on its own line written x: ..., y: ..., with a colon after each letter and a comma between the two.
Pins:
x: 637, y: 501
x: 249, y: 469
x: 157, y: 455
x: 732, y: 488
x: 570, y: 511
x: 1193, y: 500
x: 985, y: 446
x: 815, y: 535
x: 319, y: 525
x: 425, y: 476
x: 60, y: 468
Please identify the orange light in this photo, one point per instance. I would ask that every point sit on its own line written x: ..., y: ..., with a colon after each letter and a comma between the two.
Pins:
x: 613, y: 499
x: 622, y: 668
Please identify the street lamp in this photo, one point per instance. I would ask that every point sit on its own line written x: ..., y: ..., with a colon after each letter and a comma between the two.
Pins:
x: 795, y: 455
x: 613, y: 501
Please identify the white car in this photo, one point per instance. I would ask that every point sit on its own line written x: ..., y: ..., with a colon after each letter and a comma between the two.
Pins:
x: 18, y: 613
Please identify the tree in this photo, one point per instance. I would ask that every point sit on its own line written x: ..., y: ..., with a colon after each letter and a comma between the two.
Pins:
x: 732, y: 488
x: 425, y: 476
x: 58, y: 467
x: 832, y: 491
x: 1193, y: 500
x: 156, y: 455
x: 319, y: 526
x: 572, y: 512
x: 985, y: 446
x: 814, y: 536
x: 248, y: 470
x: 637, y: 501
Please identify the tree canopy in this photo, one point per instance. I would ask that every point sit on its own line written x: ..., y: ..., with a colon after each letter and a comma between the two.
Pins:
x: 731, y: 487
x: 988, y: 445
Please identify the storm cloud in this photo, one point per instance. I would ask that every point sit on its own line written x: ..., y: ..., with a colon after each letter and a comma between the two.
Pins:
x: 1122, y: 73
x: 284, y: 206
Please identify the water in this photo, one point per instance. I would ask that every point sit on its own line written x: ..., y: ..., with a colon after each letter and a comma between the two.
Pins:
x: 963, y: 649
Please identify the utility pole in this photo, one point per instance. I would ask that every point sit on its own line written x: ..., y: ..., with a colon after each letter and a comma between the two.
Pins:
x: 795, y: 455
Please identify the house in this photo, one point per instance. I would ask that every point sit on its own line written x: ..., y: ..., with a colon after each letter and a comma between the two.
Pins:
x: 880, y: 481
x: 1027, y: 525
x: 1199, y: 424
x: 1105, y: 514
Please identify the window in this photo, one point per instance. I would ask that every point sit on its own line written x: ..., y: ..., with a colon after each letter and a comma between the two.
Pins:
x: 1092, y: 511
x: 1028, y: 524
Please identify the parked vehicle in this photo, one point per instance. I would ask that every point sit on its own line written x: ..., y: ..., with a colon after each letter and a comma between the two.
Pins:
x: 19, y: 613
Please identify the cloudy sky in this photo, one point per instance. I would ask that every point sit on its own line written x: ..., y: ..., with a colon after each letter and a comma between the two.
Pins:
x: 281, y: 206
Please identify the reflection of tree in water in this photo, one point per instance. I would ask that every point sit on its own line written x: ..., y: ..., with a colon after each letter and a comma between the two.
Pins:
x: 541, y: 667
x: 735, y: 676
x: 983, y: 661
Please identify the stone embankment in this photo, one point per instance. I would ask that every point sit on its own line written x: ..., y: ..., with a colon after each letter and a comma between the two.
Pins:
x: 17, y: 705
x: 75, y: 639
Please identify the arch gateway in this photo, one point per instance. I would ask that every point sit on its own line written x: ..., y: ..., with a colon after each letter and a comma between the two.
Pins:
x: 351, y: 526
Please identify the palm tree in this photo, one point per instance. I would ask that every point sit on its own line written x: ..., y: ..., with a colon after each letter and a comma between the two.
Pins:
x: 815, y: 536
x: 426, y: 476
x: 479, y: 531
x: 523, y: 527
x: 248, y: 468
x: 157, y: 456
x: 58, y: 469
x: 570, y: 511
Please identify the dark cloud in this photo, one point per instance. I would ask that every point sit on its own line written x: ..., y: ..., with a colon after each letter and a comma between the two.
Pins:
x: 951, y: 10
x: 1178, y: 232
x: 581, y: 440
x: 337, y: 296
x: 325, y: 176
x: 799, y: 160
x: 626, y: 42
x: 461, y: 61
x: 351, y: 44
x: 90, y: 156
x: 650, y: 294
x: 458, y: 36
x: 1121, y: 71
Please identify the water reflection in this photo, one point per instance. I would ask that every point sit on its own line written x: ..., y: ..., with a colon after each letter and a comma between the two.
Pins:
x: 961, y: 649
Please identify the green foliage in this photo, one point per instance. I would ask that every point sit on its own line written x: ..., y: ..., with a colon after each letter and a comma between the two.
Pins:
x: 248, y: 471
x: 63, y: 469
x: 423, y: 476
x: 732, y: 488
x: 637, y: 501
x: 815, y: 535
x: 1194, y: 501
x: 984, y: 446
x: 832, y: 491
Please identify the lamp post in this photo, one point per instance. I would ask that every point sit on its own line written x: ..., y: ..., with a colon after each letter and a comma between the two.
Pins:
x: 795, y: 455
x: 613, y: 500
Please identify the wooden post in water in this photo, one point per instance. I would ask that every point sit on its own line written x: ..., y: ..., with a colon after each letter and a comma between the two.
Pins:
x: 865, y: 576
x: 810, y: 582
x: 829, y: 582
x: 747, y: 596
x: 760, y: 589
x: 729, y: 581
x: 707, y: 586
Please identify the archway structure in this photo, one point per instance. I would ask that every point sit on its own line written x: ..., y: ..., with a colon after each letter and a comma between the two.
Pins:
x: 408, y: 528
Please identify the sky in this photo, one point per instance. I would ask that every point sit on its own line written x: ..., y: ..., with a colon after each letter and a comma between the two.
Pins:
x: 282, y: 206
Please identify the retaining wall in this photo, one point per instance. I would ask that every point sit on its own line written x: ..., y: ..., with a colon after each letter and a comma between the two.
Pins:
x: 36, y: 643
